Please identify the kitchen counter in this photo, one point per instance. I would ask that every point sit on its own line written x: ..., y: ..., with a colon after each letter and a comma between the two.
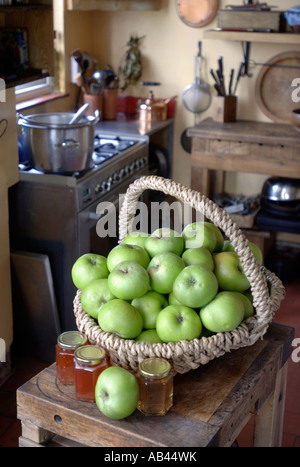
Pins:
x: 131, y: 125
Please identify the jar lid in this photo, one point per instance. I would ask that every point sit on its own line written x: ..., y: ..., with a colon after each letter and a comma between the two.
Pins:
x: 154, y: 367
x: 89, y: 354
x: 70, y: 340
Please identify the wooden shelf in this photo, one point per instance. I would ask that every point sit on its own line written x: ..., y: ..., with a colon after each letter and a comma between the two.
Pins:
x: 266, y: 37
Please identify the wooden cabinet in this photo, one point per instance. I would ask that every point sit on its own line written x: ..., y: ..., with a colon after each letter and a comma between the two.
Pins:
x: 113, y: 5
x: 254, y: 147
x: 37, y: 19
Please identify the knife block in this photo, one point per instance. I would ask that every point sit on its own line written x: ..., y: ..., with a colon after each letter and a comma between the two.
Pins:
x: 224, y: 108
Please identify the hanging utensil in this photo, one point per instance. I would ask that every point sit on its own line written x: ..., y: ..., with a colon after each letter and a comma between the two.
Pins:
x: 197, y: 97
x: 80, y: 112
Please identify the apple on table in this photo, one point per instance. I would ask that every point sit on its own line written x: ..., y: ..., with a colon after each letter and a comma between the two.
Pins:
x: 116, y: 393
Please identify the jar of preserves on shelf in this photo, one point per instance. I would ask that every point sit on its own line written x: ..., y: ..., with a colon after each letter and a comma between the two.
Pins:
x: 67, y: 343
x: 155, y: 379
x: 90, y: 361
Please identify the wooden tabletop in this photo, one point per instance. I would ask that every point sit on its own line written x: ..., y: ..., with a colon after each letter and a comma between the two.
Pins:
x: 248, y: 131
x: 211, y: 404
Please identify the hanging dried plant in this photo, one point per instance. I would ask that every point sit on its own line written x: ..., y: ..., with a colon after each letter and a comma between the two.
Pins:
x: 131, y: 72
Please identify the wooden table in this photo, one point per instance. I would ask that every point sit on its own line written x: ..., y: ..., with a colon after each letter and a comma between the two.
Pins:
x: 211, y: 405
x: 243, y: 146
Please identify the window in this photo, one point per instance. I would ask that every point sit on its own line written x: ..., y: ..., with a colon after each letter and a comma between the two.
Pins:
x: 34, y: 89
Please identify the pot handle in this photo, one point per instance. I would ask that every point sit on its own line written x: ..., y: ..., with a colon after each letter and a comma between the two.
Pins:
x: 67, y: 144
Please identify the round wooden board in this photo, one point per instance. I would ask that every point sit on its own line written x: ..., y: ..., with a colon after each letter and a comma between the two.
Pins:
x: 273, y: 88
x: 197, y: 13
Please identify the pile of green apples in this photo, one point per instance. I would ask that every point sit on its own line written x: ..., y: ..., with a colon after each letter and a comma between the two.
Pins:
x: 167, y: 286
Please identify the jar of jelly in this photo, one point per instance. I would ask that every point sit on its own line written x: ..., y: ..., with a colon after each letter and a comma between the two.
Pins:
x: 67, y: 343
x: 90, y: 361
x: 156, y: 386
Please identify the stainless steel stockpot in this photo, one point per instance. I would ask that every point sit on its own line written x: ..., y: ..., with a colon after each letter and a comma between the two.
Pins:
x: 53, y: 145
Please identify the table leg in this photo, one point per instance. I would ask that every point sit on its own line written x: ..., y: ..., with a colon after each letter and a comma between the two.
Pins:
x: 33, y: 435
x: 269, y: 418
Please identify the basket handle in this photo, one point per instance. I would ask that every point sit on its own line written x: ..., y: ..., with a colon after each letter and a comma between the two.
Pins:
x: 253, y: 272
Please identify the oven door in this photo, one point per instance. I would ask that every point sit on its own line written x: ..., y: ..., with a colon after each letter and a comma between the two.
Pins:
x: 98, y: 224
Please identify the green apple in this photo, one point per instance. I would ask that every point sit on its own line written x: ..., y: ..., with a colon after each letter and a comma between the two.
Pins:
x: 200, y: 255
x: 249, y: 295
x: 121, y: 318
x: 199, y: 234
x: 178, y: 322
x: 224, y: 313
x: 163, y: 270
x: 173, y: 300
x: 229, y: 272
x: 219, y: 237
x: 149, y: 336
x: 195, y: 286
x: 163, y: 240
x: 128, y: 280
x: 124, y: 252
x: 248, y: 307
x: 94, y: 295
x: 136, y: 238
x: 87, y: 268
x: 255, y: 249
x: 149, y: 305
x: 116, y: 393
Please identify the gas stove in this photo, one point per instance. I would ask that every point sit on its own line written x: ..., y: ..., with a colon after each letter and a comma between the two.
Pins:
x: 116, y: 162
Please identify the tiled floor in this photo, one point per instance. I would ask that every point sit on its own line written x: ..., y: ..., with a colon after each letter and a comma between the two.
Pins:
x: 289, y: 314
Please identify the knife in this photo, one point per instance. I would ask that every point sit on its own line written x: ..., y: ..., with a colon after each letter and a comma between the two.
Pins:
x: 221, y: 75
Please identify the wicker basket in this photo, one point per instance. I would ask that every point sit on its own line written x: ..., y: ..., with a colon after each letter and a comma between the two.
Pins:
x: 187, y: 355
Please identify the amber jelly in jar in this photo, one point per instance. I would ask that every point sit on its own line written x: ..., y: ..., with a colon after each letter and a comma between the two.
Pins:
x: 90, y: 361
x: 67, y: 343
x: 156, y: 386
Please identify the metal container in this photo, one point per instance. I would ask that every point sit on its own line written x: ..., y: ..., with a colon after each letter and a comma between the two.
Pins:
x: 281, y: 189
x: 52, y: 145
